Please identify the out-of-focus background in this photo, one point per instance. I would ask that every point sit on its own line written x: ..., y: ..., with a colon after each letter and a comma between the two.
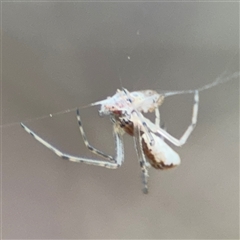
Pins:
x: 57, y: 56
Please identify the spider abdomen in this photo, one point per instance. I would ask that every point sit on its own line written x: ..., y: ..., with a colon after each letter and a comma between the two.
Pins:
x: 160, y: 155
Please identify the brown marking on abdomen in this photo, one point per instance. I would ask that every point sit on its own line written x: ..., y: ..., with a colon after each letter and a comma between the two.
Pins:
x: 128, y: 126
x: 156, y: 163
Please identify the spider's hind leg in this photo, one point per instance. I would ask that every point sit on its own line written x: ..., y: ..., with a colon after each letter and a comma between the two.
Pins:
x: 158, y: 121
x: 144, y: 164
x: 187, y: 133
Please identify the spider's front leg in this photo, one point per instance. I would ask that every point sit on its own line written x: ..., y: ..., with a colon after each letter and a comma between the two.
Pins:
x: 114, y: 163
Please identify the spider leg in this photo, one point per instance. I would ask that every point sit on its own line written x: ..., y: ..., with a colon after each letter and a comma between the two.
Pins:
x: 117, y: 137
x: 158, y: 122
x: 141, y: 156
x: 115, y: 161
x: 187, y: 133
x: 157, y: 118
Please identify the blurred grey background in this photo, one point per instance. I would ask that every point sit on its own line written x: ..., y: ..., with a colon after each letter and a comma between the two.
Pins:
x: 57, y: 56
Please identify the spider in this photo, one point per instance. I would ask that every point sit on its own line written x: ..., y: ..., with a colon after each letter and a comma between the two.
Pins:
x: 126, y: 113
x: 148, y: 138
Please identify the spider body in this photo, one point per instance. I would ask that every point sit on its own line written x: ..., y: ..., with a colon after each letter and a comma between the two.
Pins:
x: 149, y: 138
x: 125, y: 110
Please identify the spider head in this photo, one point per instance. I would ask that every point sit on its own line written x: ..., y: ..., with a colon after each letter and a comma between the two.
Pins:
x: 118, y: 105
x: 147, y: 100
